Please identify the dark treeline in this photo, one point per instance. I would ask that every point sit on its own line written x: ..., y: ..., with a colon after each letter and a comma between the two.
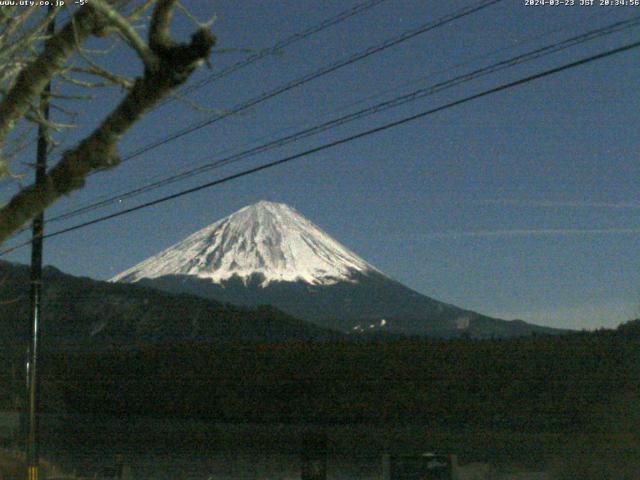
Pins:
x: 535, y: 384
x: 81, y: 312
x: 571, y: 401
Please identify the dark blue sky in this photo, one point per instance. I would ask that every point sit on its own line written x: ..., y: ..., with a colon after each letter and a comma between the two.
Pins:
x: 521, y: 204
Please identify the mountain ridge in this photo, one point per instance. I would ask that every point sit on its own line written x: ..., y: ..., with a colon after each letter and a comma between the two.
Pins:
x: 82, y: 312
x: 268, y: 253
x: 267, y: 237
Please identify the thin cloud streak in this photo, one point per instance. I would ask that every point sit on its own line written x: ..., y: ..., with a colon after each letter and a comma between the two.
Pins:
x: 562, y: 204
x: 535, y: 232
x: 589, y: 316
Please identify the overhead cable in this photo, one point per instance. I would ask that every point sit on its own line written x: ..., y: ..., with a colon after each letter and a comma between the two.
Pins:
x: 341, y: 141
x: 393, y: 103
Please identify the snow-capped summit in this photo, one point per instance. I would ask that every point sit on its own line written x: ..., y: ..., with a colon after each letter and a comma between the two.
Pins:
x: 268, y: 239
x: 269, y: 254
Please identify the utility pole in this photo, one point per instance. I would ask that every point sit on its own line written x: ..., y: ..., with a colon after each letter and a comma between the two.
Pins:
x: 32, y: 454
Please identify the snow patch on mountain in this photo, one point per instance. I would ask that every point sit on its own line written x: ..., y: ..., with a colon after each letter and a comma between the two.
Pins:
x: 269, y: 239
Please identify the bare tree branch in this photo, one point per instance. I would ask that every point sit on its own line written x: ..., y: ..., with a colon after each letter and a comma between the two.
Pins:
x: 83, y: 83
x: 139, y: 10
x: 14, y: 23
x: 99, y: 150
x: 33, y: 78
x: 36, y: 117
x: 159, y: 38
x: 96, y: 69
x: 62, y: 96
x: 111, y: 77
x: 194, y: 20
x: 194, y: 106
x: 128, y: 33
x: 64, y: 111
x: 10, y: 47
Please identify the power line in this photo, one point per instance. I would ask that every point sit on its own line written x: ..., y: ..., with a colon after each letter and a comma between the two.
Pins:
x: 407, y: 35
x: 341, y: 141
x: 395, y: 102
x: 467, y: 62
x: 279, y: 46
x: 273, y: 50
x: 105, y: 200
x: 309, y: 77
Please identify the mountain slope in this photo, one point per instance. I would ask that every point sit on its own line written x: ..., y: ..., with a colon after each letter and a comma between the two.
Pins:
x: 81, y: 311
x: 269, y: 238
x: 267, y: 253
x: 367, y: 305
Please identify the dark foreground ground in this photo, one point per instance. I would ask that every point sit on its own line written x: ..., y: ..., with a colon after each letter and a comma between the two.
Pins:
x: 568, y: 403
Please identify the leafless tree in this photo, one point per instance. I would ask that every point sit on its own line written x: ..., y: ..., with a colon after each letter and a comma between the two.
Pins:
x: 30, y: 59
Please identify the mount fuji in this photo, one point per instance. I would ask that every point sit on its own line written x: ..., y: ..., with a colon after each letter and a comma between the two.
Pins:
x: 268, y: 253
x: 270, y: 240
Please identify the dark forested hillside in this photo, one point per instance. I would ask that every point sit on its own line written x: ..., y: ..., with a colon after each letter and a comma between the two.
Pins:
x: 83, y: 312
x: 365, y: 304
x: 575, y: 384
x: 534, y: 384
